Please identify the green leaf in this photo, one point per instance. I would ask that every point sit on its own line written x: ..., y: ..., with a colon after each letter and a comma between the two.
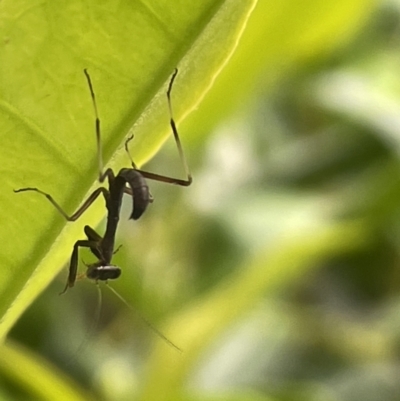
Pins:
x: 130, y: 49
x: 36, y: 376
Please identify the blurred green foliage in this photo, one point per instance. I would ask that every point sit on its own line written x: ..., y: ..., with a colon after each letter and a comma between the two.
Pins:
x: 277, y: 272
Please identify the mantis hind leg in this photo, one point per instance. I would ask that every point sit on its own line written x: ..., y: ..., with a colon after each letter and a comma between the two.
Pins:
x: 92, y: 197
x: 158, y: 177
